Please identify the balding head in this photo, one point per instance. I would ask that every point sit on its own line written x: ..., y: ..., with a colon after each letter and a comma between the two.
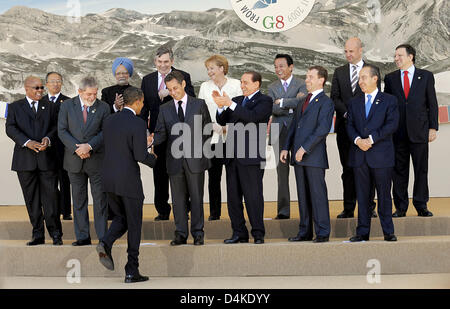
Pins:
x: 34, y: 88
x: 353, y: 50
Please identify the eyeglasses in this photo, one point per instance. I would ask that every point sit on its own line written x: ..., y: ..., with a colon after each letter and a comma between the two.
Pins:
x: 54, y: 82
x: 37, y: 88
x: 122, y: 73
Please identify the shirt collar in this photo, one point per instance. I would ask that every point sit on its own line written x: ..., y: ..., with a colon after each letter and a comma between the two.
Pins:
x: 315, y: 93
x: 373, y: 94
x: 410, y: 70
x: 56, y: 96
x: 160, y: 75
x: 82, y: 103
x: 251, y: 96
x: 288, y: 81
x: 30, y: 100
x: 184, y: 100
x: 129, y: 108
x: 360, y: 64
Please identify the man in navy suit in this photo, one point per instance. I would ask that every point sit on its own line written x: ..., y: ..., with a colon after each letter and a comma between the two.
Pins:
x: 372, y: 120
x: 306, y: 140
x: 125, y: 139
x: 247, y: 117
x: 418, y: 108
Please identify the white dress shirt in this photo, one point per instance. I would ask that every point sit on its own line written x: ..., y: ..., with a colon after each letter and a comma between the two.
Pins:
x: 410, y: 71
x: 288, y: 81
x: 359, y: 66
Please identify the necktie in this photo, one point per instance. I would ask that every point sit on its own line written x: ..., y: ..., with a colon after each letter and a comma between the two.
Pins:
x: 161, y: 86
x: 406, y: 83
x: 180, y: 111
x: 245, y: 101
x: 305, y: 105
x: 285, y: 85
x: 368, y: 104
x: 354, y: 77
x: 52, y: 99
x: 33, y: 107
x: 85, y: 113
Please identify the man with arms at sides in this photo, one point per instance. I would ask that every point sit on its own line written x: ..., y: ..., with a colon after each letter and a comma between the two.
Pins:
x: 156, y: 94
x: 372, y: 120
x: 80, y: 123
x: 31, y: 124
x: 125, y: 138
x: 343, y: 88
x: 245, y: 158
x: 419, y: 112
x: 122, y: 70
x: 217, y: 67
x: 286, y: 93
x: 306, y: 139
x: 54, y: 96
x: 186, y: 163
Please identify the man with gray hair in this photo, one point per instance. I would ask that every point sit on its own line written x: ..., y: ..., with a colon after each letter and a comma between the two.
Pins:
x: 80, y: 124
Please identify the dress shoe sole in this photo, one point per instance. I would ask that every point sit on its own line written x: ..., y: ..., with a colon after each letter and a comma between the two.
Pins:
x: 35, y: 243
x: 135, y: 281
x: 105, y: 260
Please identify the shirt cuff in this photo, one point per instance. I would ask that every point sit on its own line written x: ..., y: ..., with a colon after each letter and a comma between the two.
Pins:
x: 49, y: 141
x: 356, y: 139
x: 90, y: 146
x: 115, y: 109
x: 25, y: 145
x: 281, y: 103
x: 371, y: 139
x: 233, y: 106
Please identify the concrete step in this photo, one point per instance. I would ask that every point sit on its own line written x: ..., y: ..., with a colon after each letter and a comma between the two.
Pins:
x: 276, y: 229
x: 277, y: 257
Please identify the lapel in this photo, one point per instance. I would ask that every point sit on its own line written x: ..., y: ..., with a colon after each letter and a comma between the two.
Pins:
x: 416, y: 81
x: 252, y: 102
x: 41, y: 108
x: 78, y: 112
x: 347, y: 83
x: 375, y: 103
x: 398, y: 84
x: 189, y: 109
x: 313, y: 102
x: 292, y: 88
x: 154, y: 83
x: 26, y: 107
x: 91, y: 114
x: 173, y: 110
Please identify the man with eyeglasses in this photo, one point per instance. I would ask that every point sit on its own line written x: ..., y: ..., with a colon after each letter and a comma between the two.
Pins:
x: 122, y: 70
x: 31, y: 124
x: 53, y: 83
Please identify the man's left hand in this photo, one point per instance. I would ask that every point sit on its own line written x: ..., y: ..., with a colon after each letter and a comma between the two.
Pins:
x: 432, y: 135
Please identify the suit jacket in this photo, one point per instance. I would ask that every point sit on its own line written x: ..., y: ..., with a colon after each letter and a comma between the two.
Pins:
x: 59, y: 146
x: 72, y: 130
x: 341, y: 93
x: 420, y: 111
x: 310, y: 130
x: 152, y: 102
x: 125, y: 139
x: 281, y: 115
x: 381, y: 124
x: 168, y: 117
x: 23, y: 125
x: 109, y: 94
x: 256, y: 111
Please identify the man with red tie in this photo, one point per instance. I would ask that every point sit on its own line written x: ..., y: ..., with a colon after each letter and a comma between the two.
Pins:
x: 418, y: 107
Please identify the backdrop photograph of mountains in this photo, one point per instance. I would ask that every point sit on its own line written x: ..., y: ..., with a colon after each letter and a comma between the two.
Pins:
x: 33, y: 41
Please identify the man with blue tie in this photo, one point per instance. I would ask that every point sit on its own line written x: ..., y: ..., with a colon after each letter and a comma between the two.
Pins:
x: 306, y: 139
x: 372, y: 120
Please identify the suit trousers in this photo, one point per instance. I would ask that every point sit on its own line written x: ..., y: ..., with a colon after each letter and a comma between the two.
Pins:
x: 214, y: 189
x: 40, y: 195
x: 183, y: 185
x: 419, y: 154
x: 312, y: 201
x: 64, y: 202
x: 283, y: 195
x: 127, y: 218
x: 245, y: 181
x: 79, y: 183
x: 364, y: 176
x: 161, y: 181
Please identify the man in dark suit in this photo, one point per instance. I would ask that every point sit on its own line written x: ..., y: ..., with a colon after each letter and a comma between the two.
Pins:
x: 122, y: 70
x: 125, y: 139
x: 418, y: 107
x: 156, y: 94
x: 372, y: 120
x: 286, y: 93
x: 54, y: 96
x: 306, y: 139
x: 80, y: 123
x: 247, y: 117
x: 31, y: 124
x: 343, y: 88
x: 186, y: 163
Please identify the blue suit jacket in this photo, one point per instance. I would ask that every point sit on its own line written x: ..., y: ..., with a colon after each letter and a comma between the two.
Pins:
x: 381, y: 124
x: 310, y: 130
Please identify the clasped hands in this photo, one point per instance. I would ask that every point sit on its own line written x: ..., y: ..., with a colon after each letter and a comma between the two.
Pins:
x: 83, y: 151
x: 37, y: 147
x: 364, y: 144
x: 150, y: 144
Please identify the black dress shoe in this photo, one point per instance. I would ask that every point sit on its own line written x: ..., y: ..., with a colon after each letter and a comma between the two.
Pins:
x: 398, y: 214
x: 259, y: 241
x: 67, y: 217
x: 390, y: 237
x: 135, y: 278
x: 161, y: 218
x: 82, y: 242
x: 36, y: 241
x: 57, y: 241
x: 299, y: 238
x: 321, y: 239
x: 104, y: 255
x: 198, y: 240
x: 425, y: 213
x: 345, y: 214
x: 213, y: 218
x: 374, y: 214
x: 358, y: 238
x: 281, y: 217
x: 178, y: 240
x: 235, y: 240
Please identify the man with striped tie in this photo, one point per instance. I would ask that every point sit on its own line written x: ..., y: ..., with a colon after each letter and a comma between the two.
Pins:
x: 343, y: 88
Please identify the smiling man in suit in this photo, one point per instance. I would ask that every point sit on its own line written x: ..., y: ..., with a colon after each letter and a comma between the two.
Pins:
x: 286, y: 93
x: 80, y: 123
x: 156, y: 94
x: 372, y: 120
x: 31, y: 124
x: 306, y: 139
x: 419, y: 112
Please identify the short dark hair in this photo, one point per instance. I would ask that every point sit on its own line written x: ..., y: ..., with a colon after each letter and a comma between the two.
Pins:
x: 288, y: 58
x: 131, y: 95
x: 174, y: 75
x: 409, y: 51
x: 321, y: 72
x: 164, y: 50
x: 374, y: 71
x: 50, y: 73
x: 256, y: 77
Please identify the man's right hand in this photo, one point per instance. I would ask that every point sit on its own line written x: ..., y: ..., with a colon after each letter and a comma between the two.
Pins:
x: 163, y: 93
x: 118, y: 102
x: 283, y: 156
x: 33, y: 145
x: 363, y: 144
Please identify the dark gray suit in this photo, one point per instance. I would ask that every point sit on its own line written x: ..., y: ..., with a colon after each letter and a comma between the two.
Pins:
x: 282, y: 116
x: 187, y: 172
x: 72, y: 130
